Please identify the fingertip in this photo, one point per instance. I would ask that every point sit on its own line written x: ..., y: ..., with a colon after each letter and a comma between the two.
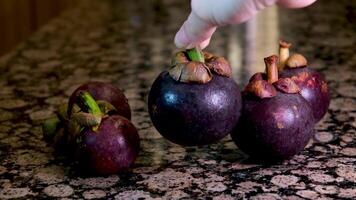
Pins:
x: 194, y: 32
x: 181, y: 41
x: 295, y: 4
x: 204, y: 44
x: 178, y: 41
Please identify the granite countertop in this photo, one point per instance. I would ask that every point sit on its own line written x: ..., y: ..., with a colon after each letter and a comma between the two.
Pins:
x: 128, y: 43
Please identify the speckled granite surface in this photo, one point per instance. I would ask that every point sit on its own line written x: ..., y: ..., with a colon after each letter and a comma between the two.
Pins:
x: 128, y: 44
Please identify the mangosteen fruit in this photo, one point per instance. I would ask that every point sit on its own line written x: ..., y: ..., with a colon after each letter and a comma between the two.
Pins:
x: 276, y: 121
x: 103, y: 92
x: 313, y: 86
x: 106, y: 144
x: 195, y: 102
x: 94, y: 135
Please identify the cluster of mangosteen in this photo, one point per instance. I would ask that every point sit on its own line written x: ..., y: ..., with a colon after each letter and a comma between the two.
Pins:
x: 196, y: 102
x: 94, y: 129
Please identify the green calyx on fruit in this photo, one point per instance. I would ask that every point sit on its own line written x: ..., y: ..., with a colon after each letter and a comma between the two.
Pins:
x: 195, y: 66
x: 50, y: 128
x: 89, y: 114
x: 92, y: 112
x: 87, y: 119
x: 195, y: 54
x: 106, y: 107
x: 219, y: 65
x: 88, y: 104
x: 191, y: 72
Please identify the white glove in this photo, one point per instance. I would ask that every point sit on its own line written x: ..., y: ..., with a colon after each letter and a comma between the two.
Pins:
x: 207, y: 15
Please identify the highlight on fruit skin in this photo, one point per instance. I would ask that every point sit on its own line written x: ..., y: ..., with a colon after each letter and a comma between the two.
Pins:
x: 276, y: 126
x: 312, y: 84
x: 196, y: 102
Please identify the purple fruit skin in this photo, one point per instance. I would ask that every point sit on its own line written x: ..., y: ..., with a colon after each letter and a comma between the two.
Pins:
x: 273, y: 129
x: 103, y: 91
x: 111, y: 149
x: 313, y: 88
x: 194, y: 114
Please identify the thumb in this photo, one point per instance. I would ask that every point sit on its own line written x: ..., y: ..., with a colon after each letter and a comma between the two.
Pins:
x: 194, y: 32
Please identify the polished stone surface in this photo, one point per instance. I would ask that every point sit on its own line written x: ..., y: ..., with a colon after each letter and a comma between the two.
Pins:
x: 128, y: 43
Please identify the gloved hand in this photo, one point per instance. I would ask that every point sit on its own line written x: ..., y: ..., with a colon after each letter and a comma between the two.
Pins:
x: 207, y: 15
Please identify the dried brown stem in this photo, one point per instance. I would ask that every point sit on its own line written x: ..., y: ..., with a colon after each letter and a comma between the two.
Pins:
x: 283, y: 54
x: 271, y: 68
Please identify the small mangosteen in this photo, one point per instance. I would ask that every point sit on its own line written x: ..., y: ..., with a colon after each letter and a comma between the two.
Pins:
x: 276, y: 121
x: 106, y: 144
x: 196, y: 102
x: 103, y: 92
x: 102, y: 141
x: 313, y: 86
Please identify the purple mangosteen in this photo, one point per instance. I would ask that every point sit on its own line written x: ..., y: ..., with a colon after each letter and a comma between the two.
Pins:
x: 196, y: 102
x: 313, y: 86
x: 106, y: 144
x: 276, y: 121
x: 104, y: 92
x: 102, y: 141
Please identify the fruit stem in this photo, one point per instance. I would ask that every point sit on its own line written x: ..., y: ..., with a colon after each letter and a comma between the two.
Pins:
x: 195, y: 54
x: 271, y: 68
x: 88, y: 104
x: 283, y: 54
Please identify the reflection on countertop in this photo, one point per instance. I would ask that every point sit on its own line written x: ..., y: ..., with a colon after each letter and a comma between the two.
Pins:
x: 128, y: 43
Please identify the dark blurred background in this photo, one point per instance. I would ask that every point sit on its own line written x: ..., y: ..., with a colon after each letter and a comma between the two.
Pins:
x: 243, y: 44
x: 19, y: 18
